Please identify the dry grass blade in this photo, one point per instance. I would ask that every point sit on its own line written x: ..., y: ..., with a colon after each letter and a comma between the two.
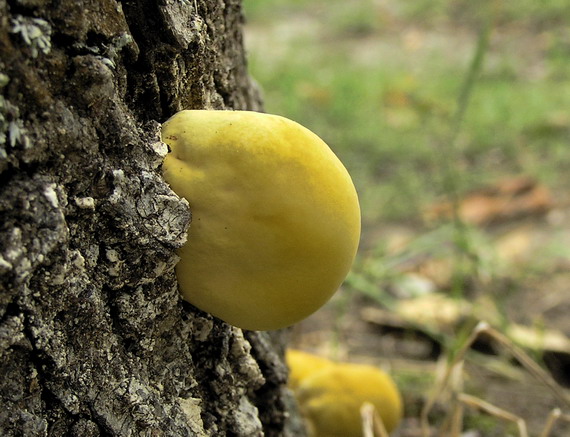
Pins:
x: 456, y: 423
x: 532, y: 367
x: 459, y: 356
x: 366, y: 413
x: 528, y: 363
x: 372, y: 424
x: 475, y: 402
x: 554, y: 416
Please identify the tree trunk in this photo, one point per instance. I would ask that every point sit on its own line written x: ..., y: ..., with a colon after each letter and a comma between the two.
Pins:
x: 94, y: 338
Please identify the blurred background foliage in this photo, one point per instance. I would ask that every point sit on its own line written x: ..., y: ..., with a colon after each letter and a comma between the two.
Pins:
x: 379, y: 81
x: 453, y: 118
x: 395, y: 89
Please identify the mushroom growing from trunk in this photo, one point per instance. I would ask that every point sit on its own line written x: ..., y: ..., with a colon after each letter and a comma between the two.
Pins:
x: 275, y: 216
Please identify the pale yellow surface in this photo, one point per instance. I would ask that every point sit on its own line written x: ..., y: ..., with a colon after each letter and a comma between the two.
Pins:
x: 302, y: 365
x: 275, y: 216
x: 330, y: 396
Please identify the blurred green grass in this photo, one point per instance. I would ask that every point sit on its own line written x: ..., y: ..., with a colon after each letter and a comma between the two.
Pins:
x: 379, y: 81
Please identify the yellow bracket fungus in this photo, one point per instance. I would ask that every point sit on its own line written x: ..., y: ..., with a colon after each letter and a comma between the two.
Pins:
x: 275, y: 216
x: 331, y: 394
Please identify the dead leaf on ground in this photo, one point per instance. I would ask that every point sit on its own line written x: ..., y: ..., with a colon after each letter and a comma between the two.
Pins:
x: 515, y: 245
x: 438, y: 314
x: 508, y: 199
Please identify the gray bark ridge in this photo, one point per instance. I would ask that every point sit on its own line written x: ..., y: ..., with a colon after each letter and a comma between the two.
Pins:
x: 94, y: 338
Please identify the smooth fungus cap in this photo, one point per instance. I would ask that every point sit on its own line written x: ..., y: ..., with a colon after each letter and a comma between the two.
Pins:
x: 275, y: 216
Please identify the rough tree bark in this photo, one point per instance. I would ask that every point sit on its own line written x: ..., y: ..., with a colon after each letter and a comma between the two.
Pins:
x: 94, y: 338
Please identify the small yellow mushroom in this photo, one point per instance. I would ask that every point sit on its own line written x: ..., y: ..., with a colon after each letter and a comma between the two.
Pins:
x: 302, y: 365
x: 275, y: 216
x: 331, y: 394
